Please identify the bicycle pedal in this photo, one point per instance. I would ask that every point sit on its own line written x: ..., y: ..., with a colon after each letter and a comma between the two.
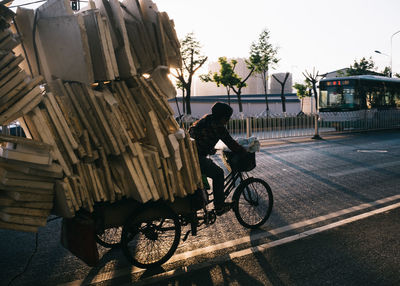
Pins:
x: 210, y: 217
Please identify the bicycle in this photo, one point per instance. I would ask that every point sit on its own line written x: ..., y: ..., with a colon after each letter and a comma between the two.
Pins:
x: 151, y: 234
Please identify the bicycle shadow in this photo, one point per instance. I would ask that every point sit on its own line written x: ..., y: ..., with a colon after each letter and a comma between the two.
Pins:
x: 221, y: 270
x: 261, y: 259
x: 209, y: 274
x: 111, y: 261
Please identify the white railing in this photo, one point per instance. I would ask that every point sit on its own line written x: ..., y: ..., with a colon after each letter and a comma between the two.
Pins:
x: 273, y: 127
x: 12, y: 129
x: 311, y: 125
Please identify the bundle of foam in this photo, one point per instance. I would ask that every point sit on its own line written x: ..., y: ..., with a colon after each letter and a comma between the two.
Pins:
x: 76, y: 83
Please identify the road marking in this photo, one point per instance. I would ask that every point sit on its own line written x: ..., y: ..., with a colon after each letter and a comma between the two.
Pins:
x: 260, y: 248
x: 364, y: 169
x: 265, y: 234
x: 285, y: 240
x: 372, y: 151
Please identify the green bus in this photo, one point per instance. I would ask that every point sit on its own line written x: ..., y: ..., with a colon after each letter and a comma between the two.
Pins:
x: 357, y: 97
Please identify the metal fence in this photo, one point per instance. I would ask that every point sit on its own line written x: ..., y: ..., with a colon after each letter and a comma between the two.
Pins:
x: 12, y: 129
x: 274, y: 127
x: 310, y: 125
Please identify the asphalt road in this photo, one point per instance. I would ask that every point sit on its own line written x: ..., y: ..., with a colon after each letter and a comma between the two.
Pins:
x: 334, y: 222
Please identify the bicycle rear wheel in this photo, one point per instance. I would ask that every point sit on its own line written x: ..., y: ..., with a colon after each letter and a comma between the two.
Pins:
x: 252, y: 202
x: 110, y: 238
x: 150, y: 237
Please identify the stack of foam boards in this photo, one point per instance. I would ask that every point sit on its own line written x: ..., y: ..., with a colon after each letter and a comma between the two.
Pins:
x: 105, y: 41
x: 18, y: 92
x: 116, y: 139
x: 6, y: 16
x: 151, y: 34
x: 27, y: 178
x: 117, y: 142
x: 55, y: 42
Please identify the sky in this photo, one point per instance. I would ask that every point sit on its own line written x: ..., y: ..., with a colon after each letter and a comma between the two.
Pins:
x: 309, y: 34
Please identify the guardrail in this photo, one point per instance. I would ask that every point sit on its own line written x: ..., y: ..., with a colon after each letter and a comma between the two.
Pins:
x: 310, y: 125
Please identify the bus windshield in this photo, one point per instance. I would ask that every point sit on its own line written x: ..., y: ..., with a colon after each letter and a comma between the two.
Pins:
x: 338, y: 98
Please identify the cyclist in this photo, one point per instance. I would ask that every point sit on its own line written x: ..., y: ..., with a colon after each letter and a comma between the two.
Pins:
x: 207, y: 131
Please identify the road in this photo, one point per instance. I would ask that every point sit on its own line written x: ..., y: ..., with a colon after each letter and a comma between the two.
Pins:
x: 331, y: 197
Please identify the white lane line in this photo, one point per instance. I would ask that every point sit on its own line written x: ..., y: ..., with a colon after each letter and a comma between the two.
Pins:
x: 363, y: 169
x: 247, y: 239
x: 285, y: 240
x: 372, y: 151
x: 265, y: 234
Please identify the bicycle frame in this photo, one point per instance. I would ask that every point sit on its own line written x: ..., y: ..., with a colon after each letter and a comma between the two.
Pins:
x: 230, y: 182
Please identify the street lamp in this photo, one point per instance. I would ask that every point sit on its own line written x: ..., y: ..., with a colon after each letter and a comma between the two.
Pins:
x: 391, y: 52
x: 379, y: 52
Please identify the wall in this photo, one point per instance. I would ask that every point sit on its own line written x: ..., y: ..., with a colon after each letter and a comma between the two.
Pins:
x: 253, y: 105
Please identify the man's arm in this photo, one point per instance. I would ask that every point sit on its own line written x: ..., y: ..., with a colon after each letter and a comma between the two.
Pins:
x: 229, y: 141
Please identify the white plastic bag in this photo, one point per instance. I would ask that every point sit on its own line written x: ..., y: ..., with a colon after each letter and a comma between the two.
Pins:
x: 251, y: 144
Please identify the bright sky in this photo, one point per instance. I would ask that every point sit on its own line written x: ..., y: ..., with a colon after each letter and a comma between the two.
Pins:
x: 327, y: 35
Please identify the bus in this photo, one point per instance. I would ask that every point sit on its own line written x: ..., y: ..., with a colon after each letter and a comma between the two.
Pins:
x: 360, y: 97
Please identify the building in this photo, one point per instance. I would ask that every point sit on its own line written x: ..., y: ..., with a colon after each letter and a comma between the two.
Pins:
x: 276, y: 87
x: 254, y: 83
x: 205, y: 94
x: 253, y: 104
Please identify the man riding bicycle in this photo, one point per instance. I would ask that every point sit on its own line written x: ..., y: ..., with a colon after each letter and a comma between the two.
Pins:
x: 207, y: 131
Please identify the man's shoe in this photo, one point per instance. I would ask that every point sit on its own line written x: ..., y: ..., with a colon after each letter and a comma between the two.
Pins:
x: 226, y: 207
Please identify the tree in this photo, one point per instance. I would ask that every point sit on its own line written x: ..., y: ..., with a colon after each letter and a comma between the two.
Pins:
x: 364, y: 66
x: 303, y: 90
x: 282, y: 83
x: 387, y: 72
x: 192, y: 61
x: 312, y: 78
x: 237, y: 89
x: 180, y: 86
x: 228, y: 78
x: 262, y: 58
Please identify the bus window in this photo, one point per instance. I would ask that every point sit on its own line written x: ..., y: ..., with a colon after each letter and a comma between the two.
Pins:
x: 334, y: 96
x: 348, y: 96
x: 396, y: 99
x: 374, y: 99
x: 388, y: 99
x: 340, y: 97
x: 323, y: 99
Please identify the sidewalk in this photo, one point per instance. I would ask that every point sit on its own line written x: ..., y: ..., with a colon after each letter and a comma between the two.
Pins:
x: 303, y: 139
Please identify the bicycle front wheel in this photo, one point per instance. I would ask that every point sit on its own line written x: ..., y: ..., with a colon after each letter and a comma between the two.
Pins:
x: 253, y: 202
x: 150, y: 238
